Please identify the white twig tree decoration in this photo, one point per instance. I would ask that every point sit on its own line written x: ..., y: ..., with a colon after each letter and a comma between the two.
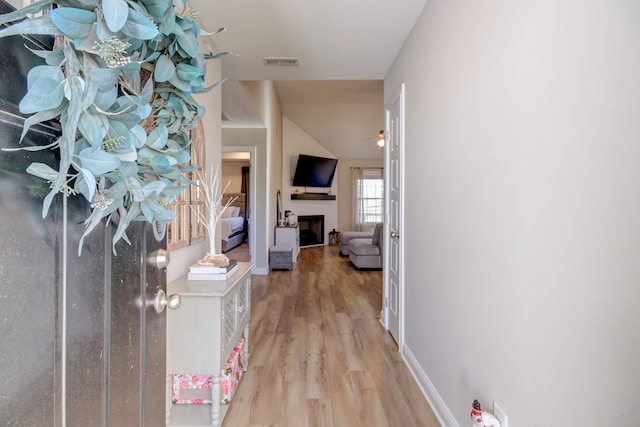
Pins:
x: 210, y: 187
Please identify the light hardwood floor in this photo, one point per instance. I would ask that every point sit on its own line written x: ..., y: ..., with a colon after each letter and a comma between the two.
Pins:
x: 239, y: 253
x: 318, y: 354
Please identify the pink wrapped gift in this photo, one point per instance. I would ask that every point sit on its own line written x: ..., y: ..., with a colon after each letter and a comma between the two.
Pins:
x: 191, y: 389
x: 196, y: 388
x: 232, y: 372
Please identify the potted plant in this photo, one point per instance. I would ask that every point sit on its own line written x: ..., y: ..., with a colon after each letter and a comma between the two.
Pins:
x: 120, y: 80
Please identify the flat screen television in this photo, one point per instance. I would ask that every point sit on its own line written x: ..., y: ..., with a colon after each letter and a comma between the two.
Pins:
x: 312, y: 171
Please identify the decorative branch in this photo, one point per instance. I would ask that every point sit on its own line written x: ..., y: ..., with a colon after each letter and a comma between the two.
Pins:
x: 210, y: 187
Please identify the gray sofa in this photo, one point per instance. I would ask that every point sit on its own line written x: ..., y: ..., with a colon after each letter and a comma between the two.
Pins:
x: 345, y: 236
x: 367, y: 252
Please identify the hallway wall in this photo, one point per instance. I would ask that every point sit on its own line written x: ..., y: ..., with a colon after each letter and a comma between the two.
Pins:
x: 522, y: 235
x: 255, y: 137
x: 265, y: 100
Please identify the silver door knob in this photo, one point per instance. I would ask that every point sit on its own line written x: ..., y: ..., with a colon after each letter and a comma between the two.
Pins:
x: 159, y: 259
x: 395, y: 235
x: 163, y: 301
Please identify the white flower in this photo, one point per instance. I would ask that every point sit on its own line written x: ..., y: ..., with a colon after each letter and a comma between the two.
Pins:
x: 112, y: 50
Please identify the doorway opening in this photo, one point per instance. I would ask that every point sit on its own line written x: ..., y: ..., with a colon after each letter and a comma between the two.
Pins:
x: 237, y: 174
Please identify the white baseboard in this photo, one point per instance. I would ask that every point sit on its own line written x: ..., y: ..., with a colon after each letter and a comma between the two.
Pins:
x: 443, y: 413
x: 259, y: 271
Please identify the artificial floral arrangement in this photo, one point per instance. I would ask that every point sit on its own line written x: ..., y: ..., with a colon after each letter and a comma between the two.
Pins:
x: 120, y: 80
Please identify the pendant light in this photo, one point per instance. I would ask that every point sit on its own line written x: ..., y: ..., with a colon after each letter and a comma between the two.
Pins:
x: 380, y: 140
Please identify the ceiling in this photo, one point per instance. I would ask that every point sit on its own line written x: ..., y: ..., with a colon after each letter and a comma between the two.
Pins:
x: 344, y: 48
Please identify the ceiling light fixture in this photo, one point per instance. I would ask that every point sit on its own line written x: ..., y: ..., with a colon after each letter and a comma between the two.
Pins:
x: 380, y: 140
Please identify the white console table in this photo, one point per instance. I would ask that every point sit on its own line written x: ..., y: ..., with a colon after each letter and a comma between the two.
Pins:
x: 289, y: 235
x: 201, y: 334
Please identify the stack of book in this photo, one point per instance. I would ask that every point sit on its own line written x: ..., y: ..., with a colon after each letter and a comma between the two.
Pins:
x: 210, y: 272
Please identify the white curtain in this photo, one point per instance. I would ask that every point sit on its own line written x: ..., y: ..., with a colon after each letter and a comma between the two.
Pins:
x: 368, y: 198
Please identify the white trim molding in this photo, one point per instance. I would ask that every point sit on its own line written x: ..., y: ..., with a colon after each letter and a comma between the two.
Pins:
x: 438, y: 406
x: 259, y: 271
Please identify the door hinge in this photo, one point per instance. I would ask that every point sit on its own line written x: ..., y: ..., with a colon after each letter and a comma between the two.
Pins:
x: 385, y: 303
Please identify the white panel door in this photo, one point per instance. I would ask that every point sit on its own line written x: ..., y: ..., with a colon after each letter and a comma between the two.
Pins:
x: 394, y: 112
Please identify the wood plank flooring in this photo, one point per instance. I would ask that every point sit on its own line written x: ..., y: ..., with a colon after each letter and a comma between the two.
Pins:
x: 239, y: 253
x: 318, y: 354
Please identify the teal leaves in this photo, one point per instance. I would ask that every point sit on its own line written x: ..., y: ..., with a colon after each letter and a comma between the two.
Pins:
x: 44, y: 89
x: 86, y: 184
x: 93, y: 127
x: 188, y: 72
x: 43, y: 171
x: 115, y: 13
x: 165, y: 69
x: 72, y: 22
x: 158, y: 138
x: 120, y: 82
x: 40, y: 25
x: 98, y: 162
x: 157, y: 8
x: 140, y: 193
x: 139, y: 27
x: 188, y: 43
x: 105, y: 78
x: 34, y: 8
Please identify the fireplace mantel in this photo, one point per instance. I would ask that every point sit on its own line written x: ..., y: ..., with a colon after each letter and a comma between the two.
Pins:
x: 312, y: 196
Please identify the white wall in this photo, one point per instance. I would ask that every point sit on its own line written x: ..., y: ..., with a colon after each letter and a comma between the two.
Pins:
x: 264, y: 97
x: 231, y: 173
x: 296, y: 141
x: 255, y: 137
x: 522, y: 235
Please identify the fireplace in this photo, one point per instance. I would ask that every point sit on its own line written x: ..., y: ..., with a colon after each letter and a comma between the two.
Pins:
x: 311, y: 230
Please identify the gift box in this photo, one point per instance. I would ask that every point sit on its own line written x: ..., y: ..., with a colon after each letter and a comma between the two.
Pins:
x: 196, y: 388
x: 191, y: 389
x: 232, y: 372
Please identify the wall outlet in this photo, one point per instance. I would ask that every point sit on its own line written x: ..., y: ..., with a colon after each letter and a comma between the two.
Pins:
x: 500, y: 415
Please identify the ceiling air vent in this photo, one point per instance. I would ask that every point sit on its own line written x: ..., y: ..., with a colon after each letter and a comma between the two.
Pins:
x: 281, y: 61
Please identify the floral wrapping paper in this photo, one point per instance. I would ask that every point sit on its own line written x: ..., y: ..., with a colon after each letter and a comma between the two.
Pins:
x: 185, y: 384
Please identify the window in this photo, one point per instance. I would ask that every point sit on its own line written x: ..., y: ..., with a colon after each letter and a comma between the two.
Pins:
x: 368, y: 196
x: 186, y: 229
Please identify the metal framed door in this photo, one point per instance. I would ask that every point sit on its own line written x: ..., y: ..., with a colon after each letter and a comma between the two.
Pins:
x: 137, y: 343
x: 82, y: 344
